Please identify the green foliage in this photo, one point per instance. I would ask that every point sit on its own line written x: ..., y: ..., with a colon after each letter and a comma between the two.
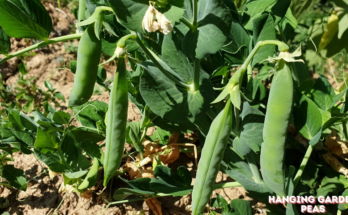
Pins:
x: 208, y: 54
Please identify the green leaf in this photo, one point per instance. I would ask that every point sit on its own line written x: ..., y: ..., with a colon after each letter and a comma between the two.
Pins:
x: 323, y: 93
x: 242, y: 149
x: 174, y: 103
x: 76, y: 175
x: 53, y: 161
x: 14, y: 176
x: 25, y: 19
x: 252, y: 127
x: 123, y: 193
x: 176, y: 184
x: 342, y: 9
x: 214, y: 24
x: 330, y: 184
x: 48, y: 85
x: 92, y: 150
x: 239, y: 37
x: 239, y: 170
x: 307, y: 118
x: 241, y: 206
x: 82, y: 134
x: 140, y: 187
x: 28, y: 122
x: 344, y: 206
x: 161, y: 136
x: 255, y: 9
x: 72, y: 65
x: 288, y: 24
x: 29, y: 106
x: 101, y: 76
x: 175, y: 58
x: 61, y: 117
x: 5, y: 43
x: 263, y: 29
x: 90, y: 113
x: 133, y: 133
x: 220, y: 202
x: 140, y: 184
x: 59, y: 95
x: 48, y: 139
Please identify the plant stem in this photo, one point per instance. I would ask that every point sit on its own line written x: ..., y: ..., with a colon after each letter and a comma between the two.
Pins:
x: 42, y: 44
x: 82, y: 8
x: 237, y: 117
x: 195, y: 9
x: 253, y: 167
x: 250, y: 73
x: 303, y: 165
x: 187, y: 23
x: 197, y: 74
x: 159, y: 66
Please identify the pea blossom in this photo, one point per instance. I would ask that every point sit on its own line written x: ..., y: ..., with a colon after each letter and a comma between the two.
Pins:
x: 161, y: 23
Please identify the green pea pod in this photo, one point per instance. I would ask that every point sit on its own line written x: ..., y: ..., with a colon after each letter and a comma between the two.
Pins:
x: 117, y: 122
x: 88, y: 56
x: 91, y: 178
x: 275, y: 129
x: 212, y: 154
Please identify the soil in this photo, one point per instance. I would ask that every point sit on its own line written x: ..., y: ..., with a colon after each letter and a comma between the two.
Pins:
x: 42, y: 196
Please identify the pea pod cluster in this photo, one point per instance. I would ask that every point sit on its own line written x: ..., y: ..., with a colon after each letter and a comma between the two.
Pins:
x: 116, y: 122
x: 88, y: 56
x: 212, y: 154
x: 275, y: 128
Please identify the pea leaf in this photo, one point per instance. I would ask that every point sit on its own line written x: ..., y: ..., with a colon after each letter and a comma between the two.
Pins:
x: 214, y: 24
x: 61, y: 117
x: 82, y: 134
x: 5, y: 44
x: 161, y: 136
x: 342, y: 8
x: 241, y: 206
x: 323, y: 93
x: 133, y: 134
x: 234, y: 166
x: 263, y: 29
x: 123, y: 193
x: 255, y: 9
x: 176, y: 184
x: 25, y: 19
x: 48, y: 140
x: 140, y: 187
x: 15, y: 177
x: 307, y: 118
x: 174, y: 103
x: 238, y: 37
x: 252, y: 127
x: 343, y: 206
x: 72, y: 65
x: 59, y: 95
x: 90, y: 113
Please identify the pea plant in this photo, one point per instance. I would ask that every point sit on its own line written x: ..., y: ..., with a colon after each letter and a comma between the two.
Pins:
x: 230, y: 72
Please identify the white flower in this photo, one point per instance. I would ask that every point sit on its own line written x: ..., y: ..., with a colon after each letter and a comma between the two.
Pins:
x: 288, y: 57
x: 121, y: 52
x: 164, y: 24
x: 151, y: 25
x: 149, y: 22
